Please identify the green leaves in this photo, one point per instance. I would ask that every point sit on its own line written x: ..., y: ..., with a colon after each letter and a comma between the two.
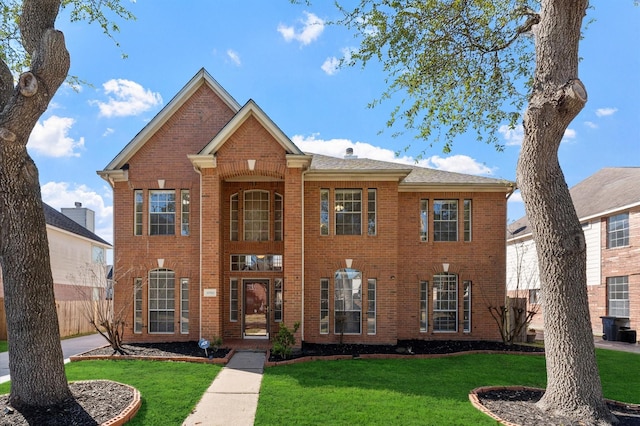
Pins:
x: 453, y: 65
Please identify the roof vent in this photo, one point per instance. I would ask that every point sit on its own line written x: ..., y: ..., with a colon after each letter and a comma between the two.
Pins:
x: 349, y: 154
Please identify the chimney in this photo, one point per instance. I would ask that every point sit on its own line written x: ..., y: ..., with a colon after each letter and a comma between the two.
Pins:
x: 81, y: 215
x: 78, y: 204
x: 349, y: 154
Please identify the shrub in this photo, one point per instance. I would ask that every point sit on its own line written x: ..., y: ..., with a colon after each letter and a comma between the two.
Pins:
x: 284, y: 340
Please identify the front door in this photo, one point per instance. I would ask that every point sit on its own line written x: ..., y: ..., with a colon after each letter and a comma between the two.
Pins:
x: 256, y: 308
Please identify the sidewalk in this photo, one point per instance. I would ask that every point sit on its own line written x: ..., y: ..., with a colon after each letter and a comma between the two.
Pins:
x: 232, y: 398
x: 70, y: 347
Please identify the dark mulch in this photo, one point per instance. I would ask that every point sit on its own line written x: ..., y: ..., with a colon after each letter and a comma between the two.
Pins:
x: 519, y: 407
x: 405, y: 347
x: 93, y: 403
x: 172, y: 349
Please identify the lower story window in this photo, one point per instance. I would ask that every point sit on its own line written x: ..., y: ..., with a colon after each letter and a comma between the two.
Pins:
x: 277, y: 306
x: 184, y: 306
x: 424, y: 305
x: 137, y: 305
x: 161, y: 301
x: 618, y: 296
x: 324, y: 306
x: 445, y: 303
x: 371, y: 305
x: 466, y: 309
x: 233, y: 308
x: 348, y: 302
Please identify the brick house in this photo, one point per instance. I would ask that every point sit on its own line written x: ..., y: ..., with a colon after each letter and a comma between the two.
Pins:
x: 225, y: 228
x: 608, y: 206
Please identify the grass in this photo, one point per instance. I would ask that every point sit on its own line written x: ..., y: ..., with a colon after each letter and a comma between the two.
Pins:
x: 169, y: 390
x: 4, y: 346
x: 413, y: 391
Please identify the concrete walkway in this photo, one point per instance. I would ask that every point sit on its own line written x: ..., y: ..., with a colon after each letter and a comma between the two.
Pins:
x: 232, y: 398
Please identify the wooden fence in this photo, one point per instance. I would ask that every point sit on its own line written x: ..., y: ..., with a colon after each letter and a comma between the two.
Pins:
x: 70, y: 319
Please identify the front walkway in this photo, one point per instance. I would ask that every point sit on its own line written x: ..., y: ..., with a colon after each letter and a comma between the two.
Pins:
x: 232, y: 398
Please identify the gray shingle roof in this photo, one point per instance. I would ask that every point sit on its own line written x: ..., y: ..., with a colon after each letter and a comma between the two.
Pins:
x: 415, y: 175
x: 608, y: 189
x: 54, y: 218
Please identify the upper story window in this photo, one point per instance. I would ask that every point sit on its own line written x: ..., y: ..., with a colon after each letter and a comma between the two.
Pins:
x: 256, y: 215
x: 138, y: 212
x: 445, y: 220
x: 618, y: 230
x: 348, y: 211
x: 277, y: 220
x: 324, y: 212
x: 371, y: 212
x: 184, y: 216
x: 467, y: 220
x: 424, y: 220
x: 234, y: 218
x: 98, y: 255
x: 162, y: 212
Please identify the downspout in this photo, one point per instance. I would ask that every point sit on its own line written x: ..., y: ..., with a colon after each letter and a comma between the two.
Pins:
x: 199, y: 172
x: 304, y: 172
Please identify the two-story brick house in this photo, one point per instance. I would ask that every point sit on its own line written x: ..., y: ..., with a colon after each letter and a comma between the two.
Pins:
x: 224, y: 227
x: 608, y: 206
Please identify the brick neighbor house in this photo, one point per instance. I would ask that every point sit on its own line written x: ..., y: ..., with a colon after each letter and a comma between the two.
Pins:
x: 608, y: 206
x: 224, y: 228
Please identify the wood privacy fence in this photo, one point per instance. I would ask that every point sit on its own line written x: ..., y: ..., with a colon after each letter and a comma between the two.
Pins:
x: 71, y: 318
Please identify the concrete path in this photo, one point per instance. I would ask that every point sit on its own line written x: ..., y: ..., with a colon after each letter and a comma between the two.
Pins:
x: 232, y: 398
x: 70, y: 347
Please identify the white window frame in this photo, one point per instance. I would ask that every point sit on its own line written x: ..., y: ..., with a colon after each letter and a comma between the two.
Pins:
x: 233, y: 217
x: 372, y: 224
x: 256, y: 214
x: 445, y: 215
x: 161, y: 200
x: 618, y: 230
x: 445, y: 302
x: 348, y: 204
x: 233, y: 299
x: 324, y: 306
x: 371, y: 306
x: 424, y: 306
x: 618, y: 287
x: 347, y: 301
x: 185, y: 212
x: 137, y: 306
x: 324, y: 212
x: 138, y: 211
x: 163, y: 302
x: 278, y: 300
x: 184, y: 305
x: 466, y: 306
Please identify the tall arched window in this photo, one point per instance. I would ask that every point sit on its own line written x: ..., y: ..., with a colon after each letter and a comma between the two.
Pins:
x: 445, y: 302
x: 348, y: 301
x: 162, y: 301
x: 256, y: 215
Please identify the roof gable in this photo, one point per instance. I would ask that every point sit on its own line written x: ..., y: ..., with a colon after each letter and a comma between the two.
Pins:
x: 250, y: 109
x: 58, y: 220
x: 202, y: 77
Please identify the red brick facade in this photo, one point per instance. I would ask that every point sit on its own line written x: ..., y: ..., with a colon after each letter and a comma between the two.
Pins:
x: 224, y: 155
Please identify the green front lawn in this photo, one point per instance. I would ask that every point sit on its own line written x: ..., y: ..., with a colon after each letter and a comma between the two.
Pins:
x: 169, y: 390
x: 413, y: 391
x: 4, y: 346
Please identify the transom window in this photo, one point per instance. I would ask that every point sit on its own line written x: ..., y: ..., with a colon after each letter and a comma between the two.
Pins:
x: 161, y: 301
x: 256, y: 262
x: 618, y: 230
x: 256, y: 216
x: 445, y: 302
x: 445, y: 220
x: 348, y: 302
x: 348, y: 211
x: 162, y: 212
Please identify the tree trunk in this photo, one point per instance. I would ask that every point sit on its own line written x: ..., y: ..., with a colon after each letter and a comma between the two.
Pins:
x: 35, y: 356
x: 573, y: 382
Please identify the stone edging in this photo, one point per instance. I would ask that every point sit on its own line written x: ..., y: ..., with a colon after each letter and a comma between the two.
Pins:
x: 475, y: 401
x: 129, y: 411
x: 388, y: 356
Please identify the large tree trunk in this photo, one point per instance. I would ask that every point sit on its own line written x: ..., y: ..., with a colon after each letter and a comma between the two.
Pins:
x: 573, y: 382
x: 35, y: 356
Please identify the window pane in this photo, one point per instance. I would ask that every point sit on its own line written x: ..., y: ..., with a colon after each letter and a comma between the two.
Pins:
x: 324, y: 212
x: 234, y: 218
x: 256, y: 216
x: 277, y: 221
x: 424, y: 313
x: 277, y: 306
x: 424, y: 220
x: 445, y: 302
x: 184, y: 305
x: 137, y: 227
x: 371, y: 212
x: 162, y: 212
x: 348, y: 211
x: 618, y: 296
x: 184, y: 216
x: 445, y: 220
x: 161, y: 301
x: 137, y: 305
x: 467, y: 220
x: 233, y: 308
x: 466, y: 302
x: 371, y: 306
x: 618, y: 230
x: 347, y: 302
x: 324, y: 306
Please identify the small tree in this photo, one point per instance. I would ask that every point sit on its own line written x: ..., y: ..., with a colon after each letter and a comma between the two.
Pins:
x: 95, y: 291
x: 284, y: 340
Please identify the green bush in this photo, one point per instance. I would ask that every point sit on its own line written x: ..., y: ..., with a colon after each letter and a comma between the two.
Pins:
x: 284, y: 340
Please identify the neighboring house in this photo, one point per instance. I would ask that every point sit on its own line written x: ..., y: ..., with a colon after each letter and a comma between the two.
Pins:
x: 74, y: 251
x: 225, y: 228
x: 608, y: 205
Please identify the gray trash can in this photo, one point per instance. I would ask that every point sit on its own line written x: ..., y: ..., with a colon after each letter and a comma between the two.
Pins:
x: 609, y: 328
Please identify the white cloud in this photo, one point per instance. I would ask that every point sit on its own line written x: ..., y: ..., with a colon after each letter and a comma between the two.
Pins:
x: 108, y: 132
x: 311, y: 29
x: 331, y: 65
x: 65, y: 194
x: 338, y: 147
x: 591, y: 124
x: 127, y: 98
x: 605, y: 112
x: 50, y: 138
x: 234, y: 56
x: 512, y: 136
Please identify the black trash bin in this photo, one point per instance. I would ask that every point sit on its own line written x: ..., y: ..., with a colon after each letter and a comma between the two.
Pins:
x: 609, y: 328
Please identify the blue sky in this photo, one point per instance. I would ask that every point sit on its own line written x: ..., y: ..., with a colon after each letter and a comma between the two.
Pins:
x: 283, y: 57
